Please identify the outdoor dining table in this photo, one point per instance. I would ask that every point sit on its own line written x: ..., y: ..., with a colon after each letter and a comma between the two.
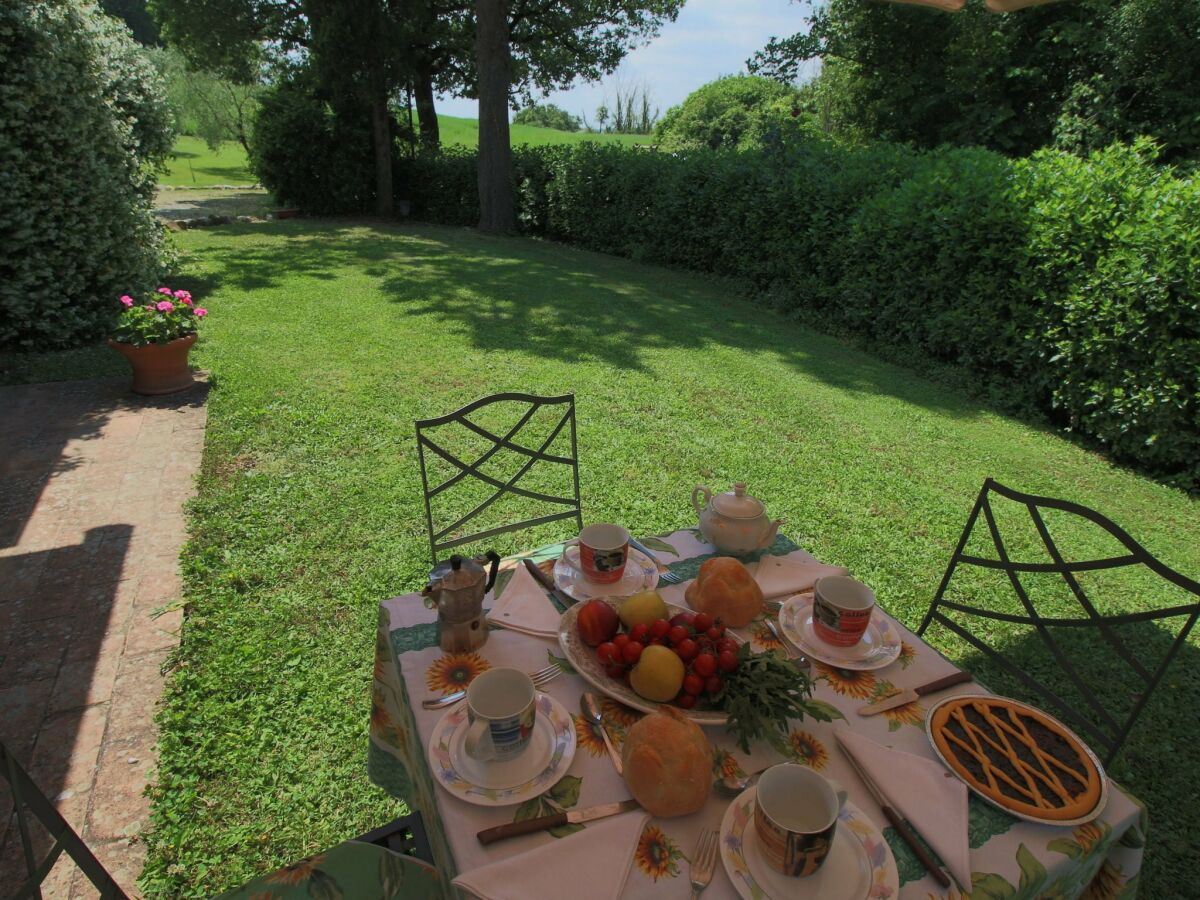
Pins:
x: 1009, y: 857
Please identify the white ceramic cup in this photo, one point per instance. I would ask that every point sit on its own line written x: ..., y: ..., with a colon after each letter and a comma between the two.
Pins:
x: 795, y: 818
x: 842, y: 609
x: 602, y: 554
x: 502, y: 709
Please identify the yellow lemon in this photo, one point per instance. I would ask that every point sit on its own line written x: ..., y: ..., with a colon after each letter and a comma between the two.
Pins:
x: 643, y: 608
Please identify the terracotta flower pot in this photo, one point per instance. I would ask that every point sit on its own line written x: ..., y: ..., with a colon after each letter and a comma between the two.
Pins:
x: 159, y: 368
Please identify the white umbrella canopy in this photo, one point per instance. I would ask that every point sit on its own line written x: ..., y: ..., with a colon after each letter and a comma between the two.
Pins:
x: 996, y: 6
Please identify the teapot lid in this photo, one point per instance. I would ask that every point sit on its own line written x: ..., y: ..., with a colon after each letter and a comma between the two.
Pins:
x: 737, y: 504
x: 456, y: 573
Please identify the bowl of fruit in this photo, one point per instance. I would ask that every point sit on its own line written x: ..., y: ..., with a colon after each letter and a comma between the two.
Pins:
x: 646, y: 652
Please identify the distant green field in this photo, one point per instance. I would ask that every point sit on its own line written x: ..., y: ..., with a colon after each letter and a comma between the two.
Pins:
x: 194, y: 165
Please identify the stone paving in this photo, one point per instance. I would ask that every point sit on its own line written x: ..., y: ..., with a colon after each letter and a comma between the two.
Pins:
x: 92, y: 485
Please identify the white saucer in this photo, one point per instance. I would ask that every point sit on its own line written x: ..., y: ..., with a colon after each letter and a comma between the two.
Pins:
x: 860, y: 863
x: 544, y: 762
x: 879, y: 646
x: 640, y: 574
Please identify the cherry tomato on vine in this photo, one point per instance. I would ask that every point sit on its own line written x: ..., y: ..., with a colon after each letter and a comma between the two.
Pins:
x: 703, y: 621
x: 687, y: 650
x: 693, y: 684
x: 606, y: 652
x: 713, y: 683
x: 727, y: 661
x: 659, y: 628
x: 677, y: 635
x: 632, y: 652
x: 705, y: 665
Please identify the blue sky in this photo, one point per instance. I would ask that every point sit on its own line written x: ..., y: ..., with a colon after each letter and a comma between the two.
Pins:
x: 710, y: 38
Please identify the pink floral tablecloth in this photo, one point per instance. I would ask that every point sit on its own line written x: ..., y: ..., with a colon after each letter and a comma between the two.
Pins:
x: 1009, y: 858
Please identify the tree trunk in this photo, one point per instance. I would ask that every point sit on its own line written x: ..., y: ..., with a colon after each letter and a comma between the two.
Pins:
x: 382, y: 138
x: 426, y: 111
x: 492, y: 52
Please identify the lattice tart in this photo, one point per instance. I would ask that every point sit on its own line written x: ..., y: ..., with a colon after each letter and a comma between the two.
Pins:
x: 1018, y: 757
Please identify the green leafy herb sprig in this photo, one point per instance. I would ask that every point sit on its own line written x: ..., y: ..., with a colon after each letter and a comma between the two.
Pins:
x: 761, y: 695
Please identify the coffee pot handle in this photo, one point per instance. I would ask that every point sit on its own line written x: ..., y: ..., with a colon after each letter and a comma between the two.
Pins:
x: 495, y: 558
x: 700, y: 490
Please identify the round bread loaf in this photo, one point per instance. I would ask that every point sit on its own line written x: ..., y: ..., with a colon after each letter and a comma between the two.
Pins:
x: 668, y: 763
x: 725, y: 589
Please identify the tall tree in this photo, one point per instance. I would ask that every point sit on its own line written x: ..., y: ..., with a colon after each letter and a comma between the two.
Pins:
x: 494, y: 61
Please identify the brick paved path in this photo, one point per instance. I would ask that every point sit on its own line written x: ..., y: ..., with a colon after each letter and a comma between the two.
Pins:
x: 92, y: 485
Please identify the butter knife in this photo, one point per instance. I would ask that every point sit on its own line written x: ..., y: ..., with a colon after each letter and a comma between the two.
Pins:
x: 911, y: 694
x: 541, y: 823
x: 561, y: 597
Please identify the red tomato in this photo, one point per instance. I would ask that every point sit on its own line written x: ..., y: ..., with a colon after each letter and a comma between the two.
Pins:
x: 682, y: 618
x: 693, y: 684
x: 621, y: 639
x: 687, y: 650
x: 632, y: 652
x: 727, y: 644
x: 659, y: 628
x: 686, y: 700
x: 703, y: 621
x: 606, y: 652
x: 705, y: 665
x: 638, y: 632
x: 615, y: 670
x: 712, y: 683
x: 728, y: 661
x: 677, y: 635
x: 715, y: 633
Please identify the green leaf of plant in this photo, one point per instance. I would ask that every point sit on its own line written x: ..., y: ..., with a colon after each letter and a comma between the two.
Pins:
x: 562, y: 663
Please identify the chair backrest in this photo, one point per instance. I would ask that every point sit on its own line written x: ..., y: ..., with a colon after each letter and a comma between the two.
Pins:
x: 439, y: 438
x: 1103, y: 725
x: 27, y: 799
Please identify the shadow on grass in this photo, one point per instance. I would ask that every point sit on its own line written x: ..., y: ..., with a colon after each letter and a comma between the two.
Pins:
x: 559, y: 303
x: 227, y: 203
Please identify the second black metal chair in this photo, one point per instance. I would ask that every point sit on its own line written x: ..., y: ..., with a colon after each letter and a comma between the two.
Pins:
x: 501, y: 464
x: 1102, y: 724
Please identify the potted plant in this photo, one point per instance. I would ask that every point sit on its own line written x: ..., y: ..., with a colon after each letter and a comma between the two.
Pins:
x: 155, y: 335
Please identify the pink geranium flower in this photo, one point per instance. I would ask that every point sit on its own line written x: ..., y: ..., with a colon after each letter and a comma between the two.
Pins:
x: 200, y: 311
x: 126, y: 300
x: 165, y: 306
x: 165, y: 290
x: 184, y: 297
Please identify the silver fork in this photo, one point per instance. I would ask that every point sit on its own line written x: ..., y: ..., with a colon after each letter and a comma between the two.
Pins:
x: 703, y: 861
x: 790, y: 650
x: 664, y: 574
x: 540, y: 678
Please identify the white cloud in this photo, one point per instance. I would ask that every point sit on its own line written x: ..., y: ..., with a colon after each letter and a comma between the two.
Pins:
x: 709, y: 39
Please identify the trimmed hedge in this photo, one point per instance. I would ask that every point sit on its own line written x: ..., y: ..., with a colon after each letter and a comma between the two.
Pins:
x: 83, y: 123
x: 1064, y: 286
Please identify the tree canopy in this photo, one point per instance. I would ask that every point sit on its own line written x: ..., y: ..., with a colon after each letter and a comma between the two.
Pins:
x: 730, y: 113
x: 547, y: 115
x: 1077, y: 75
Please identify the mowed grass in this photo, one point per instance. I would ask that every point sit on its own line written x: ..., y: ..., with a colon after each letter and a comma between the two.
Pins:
x: 326, y: 340
x: 194, y: 164
x: 454, y: 130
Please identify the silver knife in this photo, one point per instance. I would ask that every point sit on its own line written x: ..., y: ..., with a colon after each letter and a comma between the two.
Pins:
x: 541, y: 823
x: 911, y: 695
x: 547, y: 582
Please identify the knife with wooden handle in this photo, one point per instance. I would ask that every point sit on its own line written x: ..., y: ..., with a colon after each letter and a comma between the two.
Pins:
x: 910, y: 695
x: 541, y: 823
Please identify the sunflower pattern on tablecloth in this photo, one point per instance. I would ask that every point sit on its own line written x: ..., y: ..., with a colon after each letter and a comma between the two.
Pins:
x: 762, y: 639
x: 846, y: 682
x: 807, y: 750
x: 657, y: 855
x: 725, y: 765
x: 908, y: 653
x: 454, y: 671
x: 587, y: 735
x: 909, y: 714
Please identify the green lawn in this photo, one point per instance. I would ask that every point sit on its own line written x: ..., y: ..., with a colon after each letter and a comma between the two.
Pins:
x: 193, y: 164
x: 326, y: 340
x: 465, y: 132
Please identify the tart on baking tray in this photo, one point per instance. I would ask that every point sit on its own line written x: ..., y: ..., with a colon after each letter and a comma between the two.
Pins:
x: 1021, y: 759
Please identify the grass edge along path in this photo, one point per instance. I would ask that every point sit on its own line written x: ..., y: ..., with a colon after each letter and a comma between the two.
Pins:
x: 327, y: 339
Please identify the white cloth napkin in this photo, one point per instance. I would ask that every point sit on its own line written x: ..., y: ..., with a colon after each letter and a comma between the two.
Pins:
x: 524, y: 606
x: 589, y: 865
x: 923, y: 791
x: 779, y: 576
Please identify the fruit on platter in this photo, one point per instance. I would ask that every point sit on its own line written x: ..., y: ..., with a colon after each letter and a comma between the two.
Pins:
x: 667, y: 763
x: 643, y: 608
x: 597, y: 622
x: 658, y: 675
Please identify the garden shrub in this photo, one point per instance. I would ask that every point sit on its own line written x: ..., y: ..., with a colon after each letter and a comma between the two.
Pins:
x: 83, y: 126
x: 1067, y: 287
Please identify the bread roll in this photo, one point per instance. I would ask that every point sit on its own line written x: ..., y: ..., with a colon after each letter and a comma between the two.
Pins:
x: 725, y: 589
x: 668, y: 763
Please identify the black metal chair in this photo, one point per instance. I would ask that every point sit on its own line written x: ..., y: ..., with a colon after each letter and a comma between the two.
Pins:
x: 493, y: 451
x: 394, y: 859
x: 1102, y: 724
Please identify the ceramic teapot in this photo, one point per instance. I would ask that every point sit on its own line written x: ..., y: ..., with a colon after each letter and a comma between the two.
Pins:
x: 734, y: 522
x: 456, y: 589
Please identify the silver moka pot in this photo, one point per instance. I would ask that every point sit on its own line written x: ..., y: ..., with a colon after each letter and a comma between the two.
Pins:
x: 456, y: 589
